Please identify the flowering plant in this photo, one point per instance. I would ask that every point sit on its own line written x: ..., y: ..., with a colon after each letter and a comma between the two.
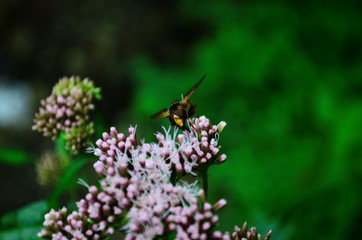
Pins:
x: 142, y: 192
x: 66, y: 111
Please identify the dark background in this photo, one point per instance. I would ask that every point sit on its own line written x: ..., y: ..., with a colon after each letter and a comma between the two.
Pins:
x: 285, y: 75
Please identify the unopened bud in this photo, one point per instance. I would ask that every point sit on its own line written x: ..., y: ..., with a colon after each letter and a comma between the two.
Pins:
x: 221, y: 126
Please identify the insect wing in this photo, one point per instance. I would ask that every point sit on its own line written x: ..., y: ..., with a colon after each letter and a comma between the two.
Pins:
x: 192, y: 90
x: 161, y: 114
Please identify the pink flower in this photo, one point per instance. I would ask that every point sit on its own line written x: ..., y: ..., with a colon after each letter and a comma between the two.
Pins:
x: 140, y: 192
x: 186, y: 152
x: 67, y: 110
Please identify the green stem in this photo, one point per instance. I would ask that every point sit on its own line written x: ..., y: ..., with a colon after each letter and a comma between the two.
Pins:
x: 204, y: 177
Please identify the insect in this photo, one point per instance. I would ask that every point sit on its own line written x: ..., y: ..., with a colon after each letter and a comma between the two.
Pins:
x: 179, y: 111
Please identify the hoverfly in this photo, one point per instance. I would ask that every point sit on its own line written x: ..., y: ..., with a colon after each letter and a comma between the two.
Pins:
x: 179, y: 111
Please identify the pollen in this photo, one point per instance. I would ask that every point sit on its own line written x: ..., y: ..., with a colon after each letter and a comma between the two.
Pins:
x: 179, y: 121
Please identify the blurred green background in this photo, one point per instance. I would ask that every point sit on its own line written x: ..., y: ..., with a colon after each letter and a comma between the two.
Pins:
x: 285, y: 75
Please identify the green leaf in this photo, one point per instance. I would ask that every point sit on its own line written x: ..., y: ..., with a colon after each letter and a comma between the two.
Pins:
x: 68, y: 179
x: 21, y: 233
x: 24, y: 223
x: 97, y: 93
x: 14, y: 156
x: 61, y: 151
x: 33, y: 214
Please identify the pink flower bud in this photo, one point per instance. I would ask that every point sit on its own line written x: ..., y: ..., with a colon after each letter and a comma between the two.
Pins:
x: 221, y: 159
x: 99, y: 167
x: 219, y: 204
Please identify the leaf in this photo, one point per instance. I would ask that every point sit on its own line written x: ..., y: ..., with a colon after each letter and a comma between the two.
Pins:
x: 24, y: 223
x: 60, y: 146
x: 97, y: 93
x: 31, y: 215
x: 21, y: 233
x: 14, y: 156
x: 61, y: 151
x: 67, y: 180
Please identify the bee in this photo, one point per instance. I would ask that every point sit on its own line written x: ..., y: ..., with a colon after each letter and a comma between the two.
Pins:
x: 179, y: 111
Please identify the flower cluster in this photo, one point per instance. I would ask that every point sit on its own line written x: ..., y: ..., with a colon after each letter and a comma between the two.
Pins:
x: 196, y: 221
x: 186, y: 152
x: 75, y: 138
x: 96, y: 218
x: 61, y: 226
x: 139, y: 175
x: 251, y: 234
x: 137, y: 195
x: 66, y: 110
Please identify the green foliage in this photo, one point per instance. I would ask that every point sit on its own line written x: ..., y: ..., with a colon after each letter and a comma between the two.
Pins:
x: 67, y: 180
x: 21, y: 233
x: 61, y: 150
x: 24, y: 223
x: 282, y: 83
x: 14, y: 156
x: 97, y: 93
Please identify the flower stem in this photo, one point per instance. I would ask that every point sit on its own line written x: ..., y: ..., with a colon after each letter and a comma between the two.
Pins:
x: 204, y: 177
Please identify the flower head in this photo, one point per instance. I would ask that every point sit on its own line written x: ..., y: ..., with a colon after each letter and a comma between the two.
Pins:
x: 75, y: 138
x: 59, y: 225
x: 137, y: 195
x: 251, y: 234
x: 66, y: 110
x: 186, y: 151
x: 194, y: 220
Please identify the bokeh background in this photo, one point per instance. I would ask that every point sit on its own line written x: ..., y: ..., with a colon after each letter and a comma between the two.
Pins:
x: 285, y: 75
